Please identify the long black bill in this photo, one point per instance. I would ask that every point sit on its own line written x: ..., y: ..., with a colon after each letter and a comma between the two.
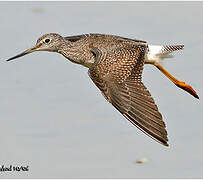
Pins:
x: 24, y: 53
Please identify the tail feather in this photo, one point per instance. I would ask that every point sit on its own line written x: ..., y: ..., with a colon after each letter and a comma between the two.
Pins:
x: 159, y: 52
x: 169, y: 49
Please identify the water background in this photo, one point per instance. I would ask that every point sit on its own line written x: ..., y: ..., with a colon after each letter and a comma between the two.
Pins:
x: 54, y: 119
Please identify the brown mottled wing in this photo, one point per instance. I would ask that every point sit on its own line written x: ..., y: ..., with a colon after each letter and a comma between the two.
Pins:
x: 125, y: 91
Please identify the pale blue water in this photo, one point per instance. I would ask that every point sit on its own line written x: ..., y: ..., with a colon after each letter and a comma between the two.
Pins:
x: 54, y: 119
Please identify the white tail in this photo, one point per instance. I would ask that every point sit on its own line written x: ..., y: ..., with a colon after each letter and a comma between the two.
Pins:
x: 156, y: 52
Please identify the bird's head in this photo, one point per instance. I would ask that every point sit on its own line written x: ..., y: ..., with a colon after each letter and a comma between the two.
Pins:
x: 48, y: 42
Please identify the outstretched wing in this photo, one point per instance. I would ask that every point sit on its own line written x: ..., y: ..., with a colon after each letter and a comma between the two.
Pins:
x: 118, y: 75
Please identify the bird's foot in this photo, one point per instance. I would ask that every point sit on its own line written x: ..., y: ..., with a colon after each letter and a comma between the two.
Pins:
x: 187, y: 88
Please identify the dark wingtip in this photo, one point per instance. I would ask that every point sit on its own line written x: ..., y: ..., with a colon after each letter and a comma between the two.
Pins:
x: 163, y: 142
x: 166, y: 144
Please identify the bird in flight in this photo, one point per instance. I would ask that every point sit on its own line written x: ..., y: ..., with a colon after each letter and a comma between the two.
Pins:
x: 115, y: 66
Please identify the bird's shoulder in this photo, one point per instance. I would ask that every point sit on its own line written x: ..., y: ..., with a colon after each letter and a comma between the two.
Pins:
x: 117, y: 63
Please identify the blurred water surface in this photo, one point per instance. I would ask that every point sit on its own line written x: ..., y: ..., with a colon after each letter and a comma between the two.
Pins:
x: 54, y: 119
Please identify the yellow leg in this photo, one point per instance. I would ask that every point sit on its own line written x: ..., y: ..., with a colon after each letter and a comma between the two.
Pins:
x: 178, y: 83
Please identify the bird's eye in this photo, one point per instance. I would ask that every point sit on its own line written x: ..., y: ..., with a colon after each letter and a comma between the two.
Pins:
x: 47, y: 40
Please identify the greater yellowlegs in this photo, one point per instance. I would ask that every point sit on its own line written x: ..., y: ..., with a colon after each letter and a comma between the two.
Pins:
x: 115, y: 65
